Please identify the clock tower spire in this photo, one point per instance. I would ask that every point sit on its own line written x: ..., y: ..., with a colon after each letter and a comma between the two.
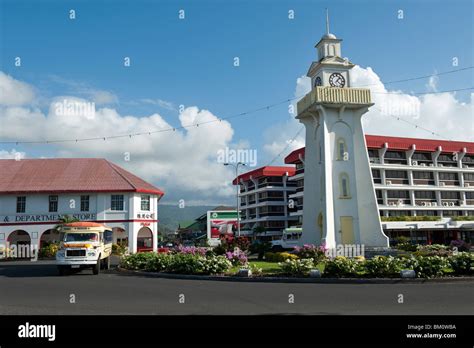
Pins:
x: 330, y: 69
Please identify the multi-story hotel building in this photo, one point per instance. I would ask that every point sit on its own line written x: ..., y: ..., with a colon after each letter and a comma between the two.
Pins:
x: 36, y: 193
x: 424, y: 188
x: 264, y: 200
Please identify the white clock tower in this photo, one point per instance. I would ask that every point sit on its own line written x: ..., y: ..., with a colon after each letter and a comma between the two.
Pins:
x: 340, y: 205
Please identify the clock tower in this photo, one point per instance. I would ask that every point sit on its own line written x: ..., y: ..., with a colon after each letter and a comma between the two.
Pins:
x: 340, y: 205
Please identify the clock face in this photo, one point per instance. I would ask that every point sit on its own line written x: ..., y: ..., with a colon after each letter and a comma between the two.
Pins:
x: 337, y: 80
x: 318, y: 82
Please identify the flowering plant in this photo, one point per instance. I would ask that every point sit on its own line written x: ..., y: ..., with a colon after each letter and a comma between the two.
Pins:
x: 237, y: 257
x: 191, y: 250
x: 310, y: 251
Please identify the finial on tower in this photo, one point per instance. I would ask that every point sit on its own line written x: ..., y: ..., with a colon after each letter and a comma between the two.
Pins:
x: 327, y: 21
x: 328, y: 35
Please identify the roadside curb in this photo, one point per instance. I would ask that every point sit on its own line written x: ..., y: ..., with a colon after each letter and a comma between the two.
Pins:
x: 295, y: 280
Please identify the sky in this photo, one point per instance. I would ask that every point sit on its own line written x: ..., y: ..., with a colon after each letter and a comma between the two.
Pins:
x: 182, y: 71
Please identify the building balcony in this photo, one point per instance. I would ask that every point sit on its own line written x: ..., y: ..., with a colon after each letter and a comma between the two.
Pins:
x: 335, y: 95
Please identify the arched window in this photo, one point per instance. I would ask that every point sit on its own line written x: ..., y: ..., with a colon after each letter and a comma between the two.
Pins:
x: 342, y: 154
x: 344, y: 186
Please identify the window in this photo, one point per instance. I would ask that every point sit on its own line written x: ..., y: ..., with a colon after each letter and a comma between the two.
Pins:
x: 84, y: 203
x: 423, y: 175
x: 421, y: 156
x: 53, y: 204
x: 396, y: 174
x: 344, y: 185
x: 342, y: 154
x: 449, y: 195
x: 425, y: 194
x: 116, y: 202
x: 469, y: 176
x: 397, y: 194
x: 145, y: 202
x: 21, y: 204
x: 395, y: 154
x: 448, y: 176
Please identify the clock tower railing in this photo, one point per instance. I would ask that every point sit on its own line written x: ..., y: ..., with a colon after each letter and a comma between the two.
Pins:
x: 335, y: 95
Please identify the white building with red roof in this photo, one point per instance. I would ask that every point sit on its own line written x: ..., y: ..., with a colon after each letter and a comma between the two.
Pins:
x: 36, y: 193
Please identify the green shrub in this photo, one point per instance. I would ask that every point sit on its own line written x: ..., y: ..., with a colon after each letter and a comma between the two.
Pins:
x: 119, y: 249
x: 279, y: 257
x: 49, y: 250
x: 462, y: 263
x: 297, y: 267
x: 382, y: 266
x: 463, y: 218
x: 407, y: 246
x: 432, y: 250
x: 341, y: 266
x: 158, y: 263
x: 177, y: 263
x: 427, y: 266
x: 136, y: 261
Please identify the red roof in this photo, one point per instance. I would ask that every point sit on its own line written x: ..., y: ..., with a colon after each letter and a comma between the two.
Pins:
x: 398, y: 143
x: 265, y: 171
x: 69, y: 175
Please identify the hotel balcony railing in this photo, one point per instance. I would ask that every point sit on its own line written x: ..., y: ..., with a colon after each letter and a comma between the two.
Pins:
x: 299, y: 171
x: 335, y: 95
x: 300, y: 189
x: 451, y: 202
x: 396, y: 181
x: 426, y: 202
x: 265, y: 184
x: 448, y: 183
x: 271, y: 199
x: 423, y: 182
x: 469, y: 201
x: 252, y: 202
x: 280, y: 213
x: 398, y: 201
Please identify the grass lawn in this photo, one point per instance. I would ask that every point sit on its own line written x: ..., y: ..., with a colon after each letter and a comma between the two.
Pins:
x: 268, y: 268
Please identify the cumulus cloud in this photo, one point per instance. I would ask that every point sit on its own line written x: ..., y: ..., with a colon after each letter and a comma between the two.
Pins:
x: 183, y: 162
x: 442, y: 113
x: 14, y: 92
x: 13, y: 154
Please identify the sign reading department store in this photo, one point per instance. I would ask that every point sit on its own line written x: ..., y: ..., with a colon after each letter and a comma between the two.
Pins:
x: 46, y: 217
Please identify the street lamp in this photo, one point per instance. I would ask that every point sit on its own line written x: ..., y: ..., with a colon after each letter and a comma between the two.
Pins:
x: 236, y: 166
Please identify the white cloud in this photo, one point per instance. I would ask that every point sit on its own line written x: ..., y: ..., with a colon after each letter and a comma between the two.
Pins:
x: 440, y: 112
x: 182, y: 162
x: 158, y: 102
x: 13, y: 154
x: 14, y: 92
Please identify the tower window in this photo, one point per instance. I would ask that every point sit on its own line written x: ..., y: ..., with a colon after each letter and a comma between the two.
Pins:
x: 344, y: 185
x: 342, y: 154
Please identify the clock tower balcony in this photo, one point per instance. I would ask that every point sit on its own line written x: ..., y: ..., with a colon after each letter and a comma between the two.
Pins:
x: 349, y: 97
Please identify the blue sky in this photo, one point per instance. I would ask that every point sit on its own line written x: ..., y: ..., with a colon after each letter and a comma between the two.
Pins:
x: 190, y: 61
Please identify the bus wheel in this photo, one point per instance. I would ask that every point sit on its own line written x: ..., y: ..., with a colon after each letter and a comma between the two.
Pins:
x: 96, y: 269
x: 107, y: 262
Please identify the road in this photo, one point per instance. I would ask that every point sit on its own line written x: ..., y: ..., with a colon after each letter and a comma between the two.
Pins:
x: 35, y: 288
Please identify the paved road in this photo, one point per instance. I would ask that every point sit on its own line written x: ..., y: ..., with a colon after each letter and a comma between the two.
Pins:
x: 35, y: 288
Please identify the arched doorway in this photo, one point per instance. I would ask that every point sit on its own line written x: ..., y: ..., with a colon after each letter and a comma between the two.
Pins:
x: 144, y: 239
x: 22, y: 242
x: 51, y: 236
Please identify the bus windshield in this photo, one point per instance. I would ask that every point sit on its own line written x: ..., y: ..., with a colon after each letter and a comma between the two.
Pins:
x: 81, y: 237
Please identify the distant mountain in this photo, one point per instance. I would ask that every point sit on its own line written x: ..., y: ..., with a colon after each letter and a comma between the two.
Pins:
x: 171, y: 215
